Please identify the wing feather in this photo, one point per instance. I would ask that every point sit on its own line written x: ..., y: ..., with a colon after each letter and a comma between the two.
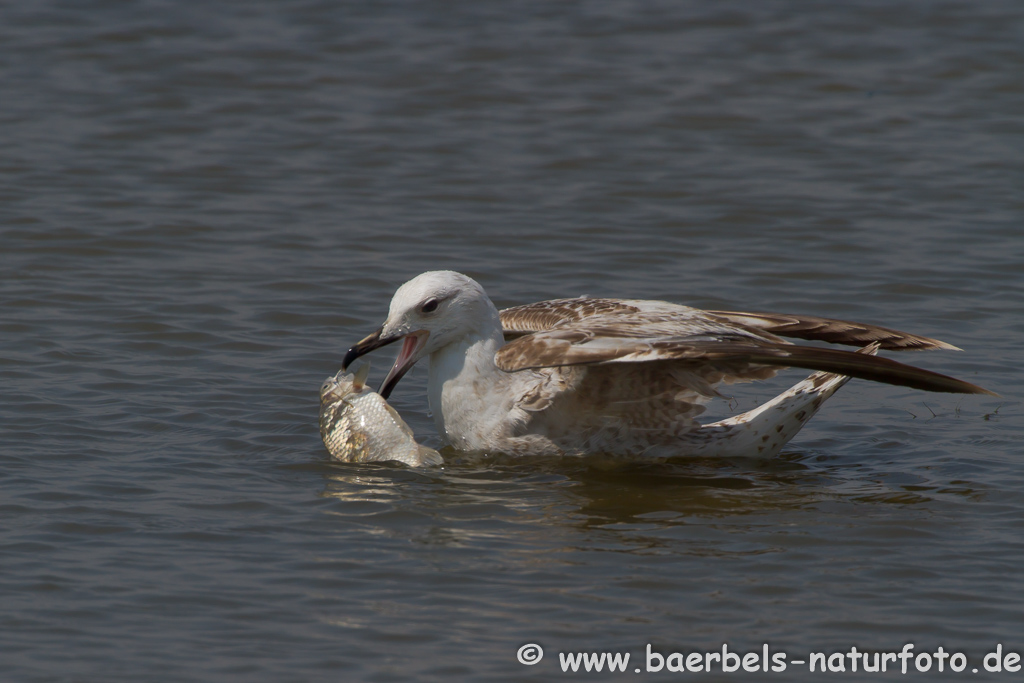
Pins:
x: 582, y: 331
x: 833, y: 331
x: 546, y: 315
x: 572, y: 346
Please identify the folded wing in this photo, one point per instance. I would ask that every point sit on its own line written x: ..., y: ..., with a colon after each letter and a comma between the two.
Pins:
x: 546, y: 315
x: 568, y: 332
x: 834, y: 331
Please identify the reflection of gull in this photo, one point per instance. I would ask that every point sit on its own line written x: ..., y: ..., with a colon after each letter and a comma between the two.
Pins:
x: 620, y: 376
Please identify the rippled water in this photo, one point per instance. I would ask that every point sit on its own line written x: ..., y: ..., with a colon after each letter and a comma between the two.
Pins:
x: 203, y: 206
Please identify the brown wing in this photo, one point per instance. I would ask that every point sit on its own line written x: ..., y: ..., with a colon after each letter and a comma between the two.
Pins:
x: 834, y: 331
x: 545, y: 315
x: 577, y: 345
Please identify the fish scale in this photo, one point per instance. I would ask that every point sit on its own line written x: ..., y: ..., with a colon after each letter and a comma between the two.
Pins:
x: 358, y: 425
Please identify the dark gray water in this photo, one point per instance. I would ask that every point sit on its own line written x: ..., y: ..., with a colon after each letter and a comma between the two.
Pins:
x: 203, y: 205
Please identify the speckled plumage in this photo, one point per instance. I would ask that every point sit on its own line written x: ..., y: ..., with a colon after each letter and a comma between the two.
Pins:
x: 620, y: 376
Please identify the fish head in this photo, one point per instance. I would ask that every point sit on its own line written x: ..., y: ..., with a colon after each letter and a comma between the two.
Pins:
x: 343, y: 386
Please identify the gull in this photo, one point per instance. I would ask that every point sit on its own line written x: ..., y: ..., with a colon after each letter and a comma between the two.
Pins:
x: 621, y: 376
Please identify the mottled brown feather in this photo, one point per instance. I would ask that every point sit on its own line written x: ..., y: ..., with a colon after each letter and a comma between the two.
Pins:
x: 582, y: 331
x: 545, y: 315
x: 833, y: 331
x: 576, y: 347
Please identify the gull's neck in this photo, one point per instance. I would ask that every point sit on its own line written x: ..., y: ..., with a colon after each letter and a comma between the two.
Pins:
x: 465, y: 387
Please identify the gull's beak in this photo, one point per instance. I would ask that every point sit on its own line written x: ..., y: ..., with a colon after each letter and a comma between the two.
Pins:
x: 407, y: 357
x: 364, y: 346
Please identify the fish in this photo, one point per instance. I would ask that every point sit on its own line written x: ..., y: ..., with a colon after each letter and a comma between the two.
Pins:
x: 358, y: 425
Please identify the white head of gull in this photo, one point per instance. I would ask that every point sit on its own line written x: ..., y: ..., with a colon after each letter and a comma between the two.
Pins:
x: 623, y: 376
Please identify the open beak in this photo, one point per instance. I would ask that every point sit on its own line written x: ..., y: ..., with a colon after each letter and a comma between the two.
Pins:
x: 407, y: 357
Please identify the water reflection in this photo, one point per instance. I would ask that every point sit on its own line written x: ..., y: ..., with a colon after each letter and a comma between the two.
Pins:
x: 605, y: 493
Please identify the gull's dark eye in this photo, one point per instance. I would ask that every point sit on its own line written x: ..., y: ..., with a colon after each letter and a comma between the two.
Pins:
x: 429, y: 306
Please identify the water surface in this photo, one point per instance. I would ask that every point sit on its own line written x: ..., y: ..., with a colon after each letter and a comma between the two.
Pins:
x: 202, y: 207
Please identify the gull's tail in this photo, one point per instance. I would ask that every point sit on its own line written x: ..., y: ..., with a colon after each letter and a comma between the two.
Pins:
x: 763, y: 432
